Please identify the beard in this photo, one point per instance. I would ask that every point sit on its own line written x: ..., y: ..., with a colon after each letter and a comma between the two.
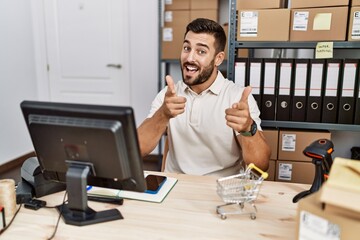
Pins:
x: 203, y: 76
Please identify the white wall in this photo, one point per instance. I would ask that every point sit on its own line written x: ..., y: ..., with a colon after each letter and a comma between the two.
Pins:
x: 17, y: 76
x: 19, y: 80
x: 144, y: 54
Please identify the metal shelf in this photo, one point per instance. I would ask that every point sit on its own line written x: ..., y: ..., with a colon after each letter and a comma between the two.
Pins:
x: 310, y: 125
x: 295, y: 45
x: 233, y: 45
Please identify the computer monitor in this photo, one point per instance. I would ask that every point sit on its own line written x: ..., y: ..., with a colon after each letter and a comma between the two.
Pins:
x: 82, y: 145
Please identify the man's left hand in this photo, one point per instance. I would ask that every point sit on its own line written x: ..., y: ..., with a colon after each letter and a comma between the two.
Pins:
x: 238, y: 116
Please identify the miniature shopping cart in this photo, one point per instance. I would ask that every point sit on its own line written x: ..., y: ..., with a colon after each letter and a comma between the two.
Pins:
x: 236, y: 190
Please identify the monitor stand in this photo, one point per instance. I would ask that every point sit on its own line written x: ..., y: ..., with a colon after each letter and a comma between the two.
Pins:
x: 76, y: 211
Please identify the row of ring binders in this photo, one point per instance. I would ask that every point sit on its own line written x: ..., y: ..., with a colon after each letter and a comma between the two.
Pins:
x: 303, y: 90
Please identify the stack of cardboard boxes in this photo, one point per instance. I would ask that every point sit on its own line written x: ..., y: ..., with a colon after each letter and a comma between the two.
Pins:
x: 318, y: 20
x: 299, y: 20
x: 333, y: 212
x: 177, y: 14
x: 287, y: 162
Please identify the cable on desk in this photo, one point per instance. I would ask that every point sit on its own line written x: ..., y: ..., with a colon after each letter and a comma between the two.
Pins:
x: 8, y: 225
x: 57, y: 223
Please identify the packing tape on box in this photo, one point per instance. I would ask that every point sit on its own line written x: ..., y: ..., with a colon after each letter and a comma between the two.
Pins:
x: 8, y: 196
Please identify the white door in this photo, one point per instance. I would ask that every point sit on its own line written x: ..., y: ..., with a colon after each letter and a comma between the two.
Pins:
x: 88, y: 51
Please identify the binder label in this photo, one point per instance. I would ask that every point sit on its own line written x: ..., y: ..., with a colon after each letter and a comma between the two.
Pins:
x: 240, y: 70
x: 255, y: 77
x: 349, y: 80
x: 248, y: 24
x: 285, y: 79
x: 300, y: 21
x: 285, y: 171
x: 315, y: 79
x: 269, y: 81
x: 332, y: 80
x: 355, y: 30
x: 288, y: 142
x: 300, y: 80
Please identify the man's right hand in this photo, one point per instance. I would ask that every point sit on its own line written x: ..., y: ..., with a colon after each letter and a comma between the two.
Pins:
x: 173, y: 105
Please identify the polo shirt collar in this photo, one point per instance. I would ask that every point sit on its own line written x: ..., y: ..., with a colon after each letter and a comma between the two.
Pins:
x: 215, y: 88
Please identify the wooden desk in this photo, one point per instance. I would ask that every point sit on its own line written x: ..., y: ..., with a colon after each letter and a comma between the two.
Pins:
x: 188, y: 212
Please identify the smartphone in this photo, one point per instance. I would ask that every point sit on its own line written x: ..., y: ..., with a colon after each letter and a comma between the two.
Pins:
x: 154, y: 183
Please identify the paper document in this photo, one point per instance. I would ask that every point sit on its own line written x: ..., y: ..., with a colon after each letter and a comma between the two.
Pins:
x: 149, y: 197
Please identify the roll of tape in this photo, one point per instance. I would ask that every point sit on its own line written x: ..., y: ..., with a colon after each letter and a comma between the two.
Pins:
x: 8, y: 196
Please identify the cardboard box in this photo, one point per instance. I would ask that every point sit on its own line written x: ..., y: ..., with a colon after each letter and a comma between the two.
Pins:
x: 316, y: 3
x: 354, y: 27
x: 295, y: 172
x: 210, y: 14
x: 259, y: 4
x: 173, y: 33
x: 341, y: 191
x: 271, y: 170
x: 177, y: 5
x: 204, y: 4
x: 272, y: 138
x: 292, y: 143
x: 318, y: 24
x: 264, y: 25
x: 314, y: 221
x: 355, y: 3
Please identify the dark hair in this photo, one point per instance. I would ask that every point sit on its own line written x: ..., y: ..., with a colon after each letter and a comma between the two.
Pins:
x: 204, y: 25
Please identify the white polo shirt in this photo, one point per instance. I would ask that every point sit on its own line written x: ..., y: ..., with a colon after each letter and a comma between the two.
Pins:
x: 200, y: 142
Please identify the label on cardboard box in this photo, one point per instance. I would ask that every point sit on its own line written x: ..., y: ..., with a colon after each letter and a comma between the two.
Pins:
x: 167, y: 35
x: 168, y: 16
x: 288, y: 142
x: 312, y: 227
x: 285, y: 171
x: 300, y: 21
x: 355, y: 30
x: 249, y: 24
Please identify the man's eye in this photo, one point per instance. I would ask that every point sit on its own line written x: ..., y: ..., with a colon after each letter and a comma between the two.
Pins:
x: 202, y: 52
x: 186, y: 49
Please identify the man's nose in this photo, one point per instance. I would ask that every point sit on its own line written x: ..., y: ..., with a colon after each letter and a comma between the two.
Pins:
x: 190, y: 56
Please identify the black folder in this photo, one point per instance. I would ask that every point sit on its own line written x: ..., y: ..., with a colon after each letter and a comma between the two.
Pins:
x: 268, y: 99
x: 255, y: 79
x: 357, y: 100
x: 331, y: 91
x: 298, y: 90
x: 241, y: 68
x: 283, y: 101
x: 314, y: 90
x: 347, y: 91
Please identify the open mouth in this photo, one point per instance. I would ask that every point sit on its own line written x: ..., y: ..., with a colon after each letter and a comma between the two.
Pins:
x: 191, y: 68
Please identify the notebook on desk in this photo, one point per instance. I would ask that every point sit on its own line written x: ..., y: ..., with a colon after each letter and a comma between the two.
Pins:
x: 142, y: 196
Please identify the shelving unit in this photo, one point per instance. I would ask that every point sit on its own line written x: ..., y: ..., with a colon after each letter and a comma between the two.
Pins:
x: 233, y: 45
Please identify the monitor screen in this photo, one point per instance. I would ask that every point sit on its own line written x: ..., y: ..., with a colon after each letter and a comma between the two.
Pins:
x: 76, y: 140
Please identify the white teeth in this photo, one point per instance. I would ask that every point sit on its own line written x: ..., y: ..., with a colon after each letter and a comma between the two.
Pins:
x: 191, y: 68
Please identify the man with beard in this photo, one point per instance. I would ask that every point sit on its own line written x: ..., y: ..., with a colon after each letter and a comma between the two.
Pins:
x: 212, y: 124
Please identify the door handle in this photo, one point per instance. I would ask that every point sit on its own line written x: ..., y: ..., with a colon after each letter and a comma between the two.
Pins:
x: 114, y: 65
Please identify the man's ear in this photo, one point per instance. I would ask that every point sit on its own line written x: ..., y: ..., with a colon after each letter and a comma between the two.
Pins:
x: 219, y: 58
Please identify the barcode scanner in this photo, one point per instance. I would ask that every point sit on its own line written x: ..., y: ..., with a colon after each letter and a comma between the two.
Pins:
x: 320, y: 152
